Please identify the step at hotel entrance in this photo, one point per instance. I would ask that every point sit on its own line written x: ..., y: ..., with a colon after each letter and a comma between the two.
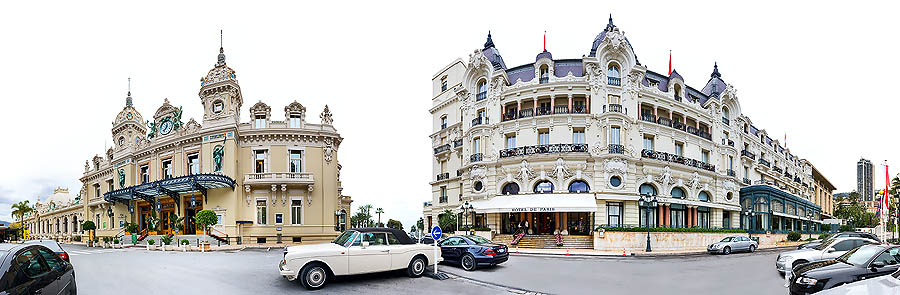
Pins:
x: 546, y: 214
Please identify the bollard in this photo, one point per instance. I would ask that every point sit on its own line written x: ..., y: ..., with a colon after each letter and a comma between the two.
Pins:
x: 567, y: 251
x: 623, y: 251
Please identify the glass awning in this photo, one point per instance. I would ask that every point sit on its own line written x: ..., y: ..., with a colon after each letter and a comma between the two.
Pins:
x: 172, y: 187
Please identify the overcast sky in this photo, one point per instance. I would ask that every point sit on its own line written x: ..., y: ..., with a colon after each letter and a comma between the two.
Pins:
x: 822, y: 74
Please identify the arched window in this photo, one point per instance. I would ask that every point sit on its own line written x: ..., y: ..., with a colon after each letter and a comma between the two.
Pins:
x: 543, y: 187
x: 703, y: 196
x: 647, y: 189
x: 746, y: 204
x: 482, y: 90
x: 545, y: 74
x: 579, y: 186
x: 762, y: 205
x: 678, y: 193
x: 677, y: 90
x: 613, y: 72
x: 725, y: 113
x: 511, y: 189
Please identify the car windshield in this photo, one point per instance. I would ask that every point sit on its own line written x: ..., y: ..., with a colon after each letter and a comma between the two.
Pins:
x: 345, y: 238
x: 823, y: 245
x: 479, y: 240
x: 727, y: 239
x: 859, y: 256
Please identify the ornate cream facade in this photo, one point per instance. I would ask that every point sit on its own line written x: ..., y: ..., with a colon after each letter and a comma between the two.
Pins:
x: 274, y: 178
x: 569, y: 144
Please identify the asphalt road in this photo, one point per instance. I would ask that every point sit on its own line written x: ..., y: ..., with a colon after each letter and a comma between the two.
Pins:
x: 740, y: 273
x: 137, y: 271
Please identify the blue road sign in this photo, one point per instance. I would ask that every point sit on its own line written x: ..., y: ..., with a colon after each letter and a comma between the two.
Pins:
x: 436, y: 232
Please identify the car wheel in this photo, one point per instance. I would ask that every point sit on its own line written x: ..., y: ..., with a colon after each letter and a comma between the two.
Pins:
x: 726, y: 250
x: 752, y: 248
x: 468, y: 262
x: 74, y: 289
x: 416, y: 267
x: 796, y: 263
x: 313, y: 276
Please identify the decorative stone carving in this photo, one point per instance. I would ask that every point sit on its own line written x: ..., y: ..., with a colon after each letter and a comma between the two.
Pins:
x: 339, y: 172
x: 595, y: 76
x: 309, y: 191
x: 665, y: 179
x: 694, y: 183
x: 274, y: 196
x: 616, y: 40
x: 615, y: 166
x: 560, y: 171
x: 525, y: 172
x: 247, y: 193
x: 283, y: 195
x: 477, y: 172
x: 326, y: 116
x: 329, y: 149
x: 295, y: 108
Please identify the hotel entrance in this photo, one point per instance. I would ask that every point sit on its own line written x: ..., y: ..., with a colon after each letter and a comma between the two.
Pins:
x: 546, y: 214
x: 190, y: 227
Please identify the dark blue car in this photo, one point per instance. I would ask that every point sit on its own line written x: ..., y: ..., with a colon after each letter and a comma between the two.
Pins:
x: 471, y: 252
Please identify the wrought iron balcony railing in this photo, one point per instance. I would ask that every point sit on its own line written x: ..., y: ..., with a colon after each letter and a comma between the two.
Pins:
x: 777, y: 169
x: 457, y: 143
x: 475, y: 158
x: 746, y: 181
x: 616, y: 148
x: 579, y: 109
x: 614, y: 81
x: 543, y: 111
x: 479, y: 120
x: 441, y: 149
x: 511, y: 115
x: 748, y: 154
x: 731, y: 172
x: 443, y: 176
x: 727, y: 142
x: 560, y: 109
x: 725, y: 120
x: 544, y: 149
x: 615, y: 108
x: 662, y: 156
x: 544, y: 80
x: 648, y: 117
x: 764, y: 162
x: 664, y: 121
x: 480, y: 96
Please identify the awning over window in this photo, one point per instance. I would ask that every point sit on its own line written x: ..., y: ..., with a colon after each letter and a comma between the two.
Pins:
x: 537, y: 203
x: 172, y: 187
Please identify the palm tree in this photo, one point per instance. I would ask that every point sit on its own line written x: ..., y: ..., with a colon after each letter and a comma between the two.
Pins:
x: 19, y: 211
x: 379, y: 211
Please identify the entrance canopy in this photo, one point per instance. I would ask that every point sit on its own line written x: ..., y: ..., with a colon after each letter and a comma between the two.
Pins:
x: 537, y: 203
x: 172, y: 187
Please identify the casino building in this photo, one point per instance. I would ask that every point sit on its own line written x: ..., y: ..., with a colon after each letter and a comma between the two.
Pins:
x: 274, y: 179
x: 571, y: 144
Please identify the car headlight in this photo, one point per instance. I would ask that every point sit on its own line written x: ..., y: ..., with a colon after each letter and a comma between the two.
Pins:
x: 717, y: 246
x: 807, y: 281
x: 784, y: 258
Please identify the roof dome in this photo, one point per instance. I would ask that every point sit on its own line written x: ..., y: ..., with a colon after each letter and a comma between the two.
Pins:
x: 715, y: 85
x: 129, y: 114
x: 60, y: 197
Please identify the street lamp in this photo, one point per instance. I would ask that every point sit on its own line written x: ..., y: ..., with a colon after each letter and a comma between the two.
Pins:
x: 649, y: 202
x: 466, y: 208
x: 809, y: 224
x: 749, y: 213
x: 109, y: 212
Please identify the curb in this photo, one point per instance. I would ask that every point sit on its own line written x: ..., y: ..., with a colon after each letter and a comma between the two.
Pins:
x: 509, y: 289
x: 635, y: 254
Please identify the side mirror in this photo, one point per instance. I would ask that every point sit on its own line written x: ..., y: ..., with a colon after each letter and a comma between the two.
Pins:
x: 829, y: 249
x: 876, y: 264
x: 365, y: 245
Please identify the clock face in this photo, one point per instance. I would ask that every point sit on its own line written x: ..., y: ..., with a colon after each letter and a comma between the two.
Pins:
x: 166, y: 127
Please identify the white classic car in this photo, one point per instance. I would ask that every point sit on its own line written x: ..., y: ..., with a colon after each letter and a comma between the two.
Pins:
x: 357, y: 251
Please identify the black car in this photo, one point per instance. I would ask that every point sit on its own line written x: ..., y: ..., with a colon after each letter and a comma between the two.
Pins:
x: 858, y: 264
x: 34, y: 269
x: 849, y: 234
x: 54, y: 246
x: 470, y: 251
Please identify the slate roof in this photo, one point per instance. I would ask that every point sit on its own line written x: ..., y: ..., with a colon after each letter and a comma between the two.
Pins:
x: 562, y: 67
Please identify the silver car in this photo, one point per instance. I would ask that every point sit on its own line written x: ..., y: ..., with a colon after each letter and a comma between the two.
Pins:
x: 732, y: 244
x: 787, y: 261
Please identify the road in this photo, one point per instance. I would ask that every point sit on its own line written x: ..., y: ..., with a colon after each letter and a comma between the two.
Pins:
x: 137, y: 271
x: 740, y: 273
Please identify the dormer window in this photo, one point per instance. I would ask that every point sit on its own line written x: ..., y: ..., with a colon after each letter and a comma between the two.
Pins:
x: 614, y: 77
x: 482, y: 90
x: 545, y: 75
x: 677, y: 90
x: 260, y: 121
x: 295, y: 121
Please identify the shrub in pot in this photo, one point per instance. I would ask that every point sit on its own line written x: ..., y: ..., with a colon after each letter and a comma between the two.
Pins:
x: 89, y: 226
x: 793, y: 236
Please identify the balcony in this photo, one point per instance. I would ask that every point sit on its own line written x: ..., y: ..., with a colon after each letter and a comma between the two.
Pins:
x: 526, y: 113
x: 693, y: 130
x: 667, y: 157
x: 747, y: 181
x: 615, y: 108
x: 777, y: 169
x: 579, y: 109
x: 441, y: 149
x: 677, y: 97
x: 748, y: 154
x: 457, y: 143
x: 543, y: 111
x: 510, y: 115
x: 480, y: 96
x: 614, y: 81
x: 664, y: 121
x: 725, y: 121
x: 443, y: 176
x: 788, y: 175
x: 648, y: 117
x: 764, y: 162
x: 797, y: 179
x: 561, y: 109
x: 616, y: 148
x: 678, y: 125
x: 475, y: 158
x: 544, y: 149
x: 728, y: 142
x: 731, y: 172
x: 479, y: 121
x: 458, y: 172
x: 279, y: 178
x: 544, y: 80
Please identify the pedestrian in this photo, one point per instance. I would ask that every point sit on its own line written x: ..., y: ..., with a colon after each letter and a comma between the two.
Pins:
x: 526, y: 227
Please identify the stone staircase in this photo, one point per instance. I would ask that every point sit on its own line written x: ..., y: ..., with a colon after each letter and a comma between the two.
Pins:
x: 547, y: 242
x: 192, y: 239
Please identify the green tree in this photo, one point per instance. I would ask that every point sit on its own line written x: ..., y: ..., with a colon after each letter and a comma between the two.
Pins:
x: 394, y: 224
x: 206, y: 218
x: 379, y: 211
x: 89, y: 226
x: 19, y: 211
x: 447, y: 220
x: 420, y: 224
x: 363, y: 216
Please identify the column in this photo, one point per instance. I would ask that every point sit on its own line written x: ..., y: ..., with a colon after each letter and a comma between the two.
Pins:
x: 552, y: 104
x: 556, y: 220
x: 535, y: 106
x: 655, y: 110
x: 570, y: 103
x: 518, y: 107
x: 588, y: 105
x: 660, y: 214
x: 667, y: 218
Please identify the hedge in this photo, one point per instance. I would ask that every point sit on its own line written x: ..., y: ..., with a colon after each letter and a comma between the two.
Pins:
x: 475, y: 229
x: 673, y: 230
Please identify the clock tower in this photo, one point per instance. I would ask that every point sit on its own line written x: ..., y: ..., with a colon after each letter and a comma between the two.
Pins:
x: 220, y: 94
x: 128, y: 127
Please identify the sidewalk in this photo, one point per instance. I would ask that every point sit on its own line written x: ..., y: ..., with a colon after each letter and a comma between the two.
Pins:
x: 596, y: 253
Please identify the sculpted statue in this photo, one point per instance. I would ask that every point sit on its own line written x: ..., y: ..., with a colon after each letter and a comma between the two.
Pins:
x: 177, y: 119
x: 219, y: 155
x: 121, y: 178
x: 152, y: 128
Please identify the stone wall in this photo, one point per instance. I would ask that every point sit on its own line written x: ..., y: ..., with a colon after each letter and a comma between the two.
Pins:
x: 670, y: 241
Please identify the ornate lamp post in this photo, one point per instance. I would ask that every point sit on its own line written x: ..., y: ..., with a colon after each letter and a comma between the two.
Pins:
x: 649, y: 202
x: 749, y: 213
x: 466, y: 207
x: 809, y: 222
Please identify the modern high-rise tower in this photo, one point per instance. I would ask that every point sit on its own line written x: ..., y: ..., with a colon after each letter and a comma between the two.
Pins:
x: 864, y: 177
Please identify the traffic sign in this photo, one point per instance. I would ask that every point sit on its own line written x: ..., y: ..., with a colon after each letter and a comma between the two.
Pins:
x: 436, y: 233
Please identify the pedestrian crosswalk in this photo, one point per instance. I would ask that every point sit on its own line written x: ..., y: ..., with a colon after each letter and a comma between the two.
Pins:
x: 89, y: 251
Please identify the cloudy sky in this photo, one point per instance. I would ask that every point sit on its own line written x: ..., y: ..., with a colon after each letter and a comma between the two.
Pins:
x: 822, y: 74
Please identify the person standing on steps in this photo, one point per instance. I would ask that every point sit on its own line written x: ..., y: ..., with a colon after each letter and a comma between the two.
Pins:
x: 526, y: 227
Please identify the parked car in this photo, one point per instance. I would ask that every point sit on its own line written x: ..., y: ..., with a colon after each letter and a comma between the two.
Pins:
x: 864, y: 262
x: 883, y: 285
x: 54, y: 246
x: 791, y: 259
x: 734, y: 243
x: 356, y: 251
x: 34, y: 269
x: 470, y: 251
x: 848, y: 234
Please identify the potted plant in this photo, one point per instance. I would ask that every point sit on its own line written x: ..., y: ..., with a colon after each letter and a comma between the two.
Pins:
x: 204, y: 219
x: 106, y: 241
x: 132, y: 229
x: 184, y: 244
x: 150, y: 243
x: 116, y: 243
x: 176, y: 223
x: 96, y: 241
x: 166, y: 241
x: 90, y: 227
x: 152, y: 223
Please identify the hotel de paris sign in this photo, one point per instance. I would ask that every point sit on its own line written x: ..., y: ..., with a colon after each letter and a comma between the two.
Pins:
x: 533, y: 209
